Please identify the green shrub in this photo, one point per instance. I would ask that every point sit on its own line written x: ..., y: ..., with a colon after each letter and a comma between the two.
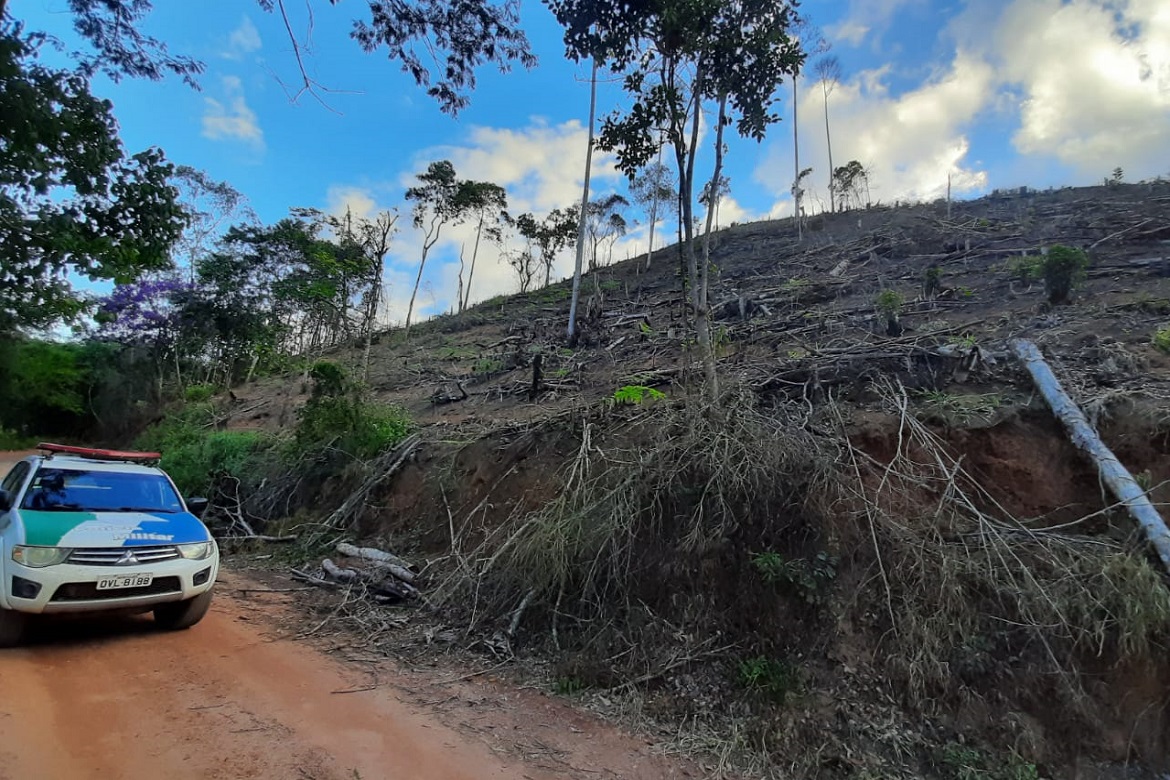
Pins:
x: 11, y: 440
x: 1064, y: 270
x: 809, y: 579
x: 1162, y: 339
x: 194, y: 453
x: 770, y: 677
x: 636, y: 394
x: 336, y: 415
x: 1027, y: 269
x: 200, y: 393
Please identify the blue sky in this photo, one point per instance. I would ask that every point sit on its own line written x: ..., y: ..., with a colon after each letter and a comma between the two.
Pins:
x: 992, y: 93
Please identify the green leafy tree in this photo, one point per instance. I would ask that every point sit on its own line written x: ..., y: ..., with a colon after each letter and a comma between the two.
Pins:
x: 71, y: 199
x: 436, y: 202
x: 440, y: 43
x: 676, y: 56
x: 653, y: 189
x: 549, y: 235
x: 486, y: 204
x: 604, y: 222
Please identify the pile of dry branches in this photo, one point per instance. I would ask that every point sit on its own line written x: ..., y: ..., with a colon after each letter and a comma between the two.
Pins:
x: 966, y: 592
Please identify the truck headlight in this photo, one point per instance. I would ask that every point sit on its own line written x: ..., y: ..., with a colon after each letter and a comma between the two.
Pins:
x: 197, y: 551
x: 39, y: 557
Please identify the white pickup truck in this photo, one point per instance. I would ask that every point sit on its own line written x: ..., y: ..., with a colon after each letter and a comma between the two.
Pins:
x: 87, y: 530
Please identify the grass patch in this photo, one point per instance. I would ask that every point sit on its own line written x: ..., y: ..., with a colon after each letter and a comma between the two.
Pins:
x: 774, y: 679
x: 1161, y: 339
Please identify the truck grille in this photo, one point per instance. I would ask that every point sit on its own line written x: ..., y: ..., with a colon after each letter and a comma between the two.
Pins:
x: 87, y: 591
x: 111, y: 556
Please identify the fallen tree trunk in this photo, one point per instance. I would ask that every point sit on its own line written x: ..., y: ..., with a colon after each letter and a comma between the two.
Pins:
x: 380, y: 558
x: 1115, y: 475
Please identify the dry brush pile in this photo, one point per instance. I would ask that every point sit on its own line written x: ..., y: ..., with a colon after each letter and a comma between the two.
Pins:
x: 699, y: 543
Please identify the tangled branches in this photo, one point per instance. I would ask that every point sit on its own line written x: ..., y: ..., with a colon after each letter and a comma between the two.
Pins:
x: 972, y: 593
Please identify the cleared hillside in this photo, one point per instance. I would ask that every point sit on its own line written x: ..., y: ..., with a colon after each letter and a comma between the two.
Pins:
x: 884, y: 559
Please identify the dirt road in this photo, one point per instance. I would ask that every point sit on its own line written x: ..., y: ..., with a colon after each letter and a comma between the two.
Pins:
x: 238, y: 697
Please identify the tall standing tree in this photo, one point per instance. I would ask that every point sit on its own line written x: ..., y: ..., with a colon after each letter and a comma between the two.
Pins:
x: 72, y: 201
x: 367, y: 240
x: 604, y: 221
x: 210, y: 207
x: 653, y: 189
x: 677, y: 55
x: 487, y: 204
x: 828, y: 72
x: 713, y: 194
x: 549, y: 235
x: 436, y: 202
x: 582, y: 213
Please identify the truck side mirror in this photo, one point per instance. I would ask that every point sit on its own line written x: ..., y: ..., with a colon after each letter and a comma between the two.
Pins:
x: 197, y: 506
x: 5, y: 501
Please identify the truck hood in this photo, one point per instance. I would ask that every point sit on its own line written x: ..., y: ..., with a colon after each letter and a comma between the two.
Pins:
x: 110, y: 529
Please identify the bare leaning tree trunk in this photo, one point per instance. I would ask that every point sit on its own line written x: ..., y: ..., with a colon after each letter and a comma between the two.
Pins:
x: 584, y: 211
x: 1113, y: 473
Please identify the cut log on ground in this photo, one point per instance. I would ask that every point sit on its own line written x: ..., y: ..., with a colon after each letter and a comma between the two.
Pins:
x: 1113, y: 473
x: 381, y: 559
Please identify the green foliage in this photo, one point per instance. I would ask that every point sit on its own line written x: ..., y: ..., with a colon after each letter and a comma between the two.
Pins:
x: 1162, y: 339
x: 774, y: 679
x: 195, y: 454
x: 636, y: 394
x: 486, y: 366
x: 71, y: 199
x: 1065, y: 268
x: 199, y: 393
x: 963, y: 762
x: 11, y: 440
x: 611, y: 285
x: 337, y: 416
x: 932, y: 281
x: 1027, y: 269
x: 567, y: 686
x: 889, y: 305
x: 962, y: 408
x: 808, y: 579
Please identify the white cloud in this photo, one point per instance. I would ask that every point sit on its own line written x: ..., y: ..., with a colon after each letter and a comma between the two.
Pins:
x: 243, y: 40
x: 910, y: 143
x: 541, y: 165
x: 359, y: 201
x: 1092, y: 79
x: 232, y: 119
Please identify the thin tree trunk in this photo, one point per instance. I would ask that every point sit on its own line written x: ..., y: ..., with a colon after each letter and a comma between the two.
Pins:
x: 796, y: 154
x: 702, y: 309
x: 414, y: 293
x: 654, y: 211
x: 697, y: 277
x: 584, y: 208
x: 1113, y: 473
x: 471, y: 271
x: 829, y: 144
x: 372, y: 316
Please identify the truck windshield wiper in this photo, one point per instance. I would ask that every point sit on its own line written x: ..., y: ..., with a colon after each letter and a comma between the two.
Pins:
x: 148, y: 509
x: 59, y: 508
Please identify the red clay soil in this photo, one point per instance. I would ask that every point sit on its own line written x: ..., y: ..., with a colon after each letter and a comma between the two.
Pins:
x: 238, y: 697
x: 232, y: 698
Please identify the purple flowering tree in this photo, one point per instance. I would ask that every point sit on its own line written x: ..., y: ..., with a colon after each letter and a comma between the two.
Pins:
x: 145, y: 313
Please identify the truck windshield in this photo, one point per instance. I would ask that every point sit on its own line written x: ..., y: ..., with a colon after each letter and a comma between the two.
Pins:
x: 76, y: 490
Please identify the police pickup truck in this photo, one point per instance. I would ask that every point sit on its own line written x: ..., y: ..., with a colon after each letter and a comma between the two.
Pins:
x: 89, y: 530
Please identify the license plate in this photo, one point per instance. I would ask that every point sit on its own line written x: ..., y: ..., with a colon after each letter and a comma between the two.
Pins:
x: 125, y: 581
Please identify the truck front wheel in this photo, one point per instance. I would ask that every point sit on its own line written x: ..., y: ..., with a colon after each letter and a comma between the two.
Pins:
x: 12, y: 627
x: 179, y: 615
